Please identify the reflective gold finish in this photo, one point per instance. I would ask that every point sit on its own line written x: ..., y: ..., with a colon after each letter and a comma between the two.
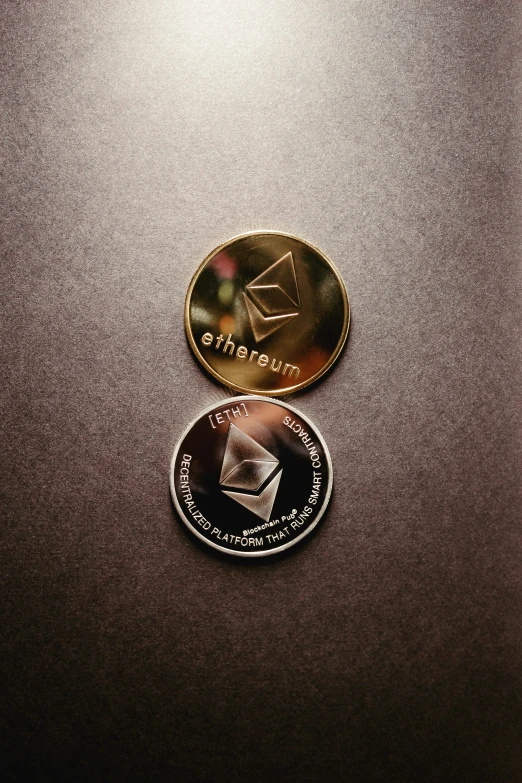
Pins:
x: 267, y: 313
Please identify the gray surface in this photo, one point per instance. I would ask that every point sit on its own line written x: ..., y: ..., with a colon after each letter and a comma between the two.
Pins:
x: 139, y: 136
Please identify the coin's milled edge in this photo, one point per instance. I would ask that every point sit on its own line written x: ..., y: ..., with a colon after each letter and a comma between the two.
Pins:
x: 259, y: 398
x: 289, y: 389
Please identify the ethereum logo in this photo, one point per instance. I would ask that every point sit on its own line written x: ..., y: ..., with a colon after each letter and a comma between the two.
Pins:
x: 245, y: 470
x: 272, y: 299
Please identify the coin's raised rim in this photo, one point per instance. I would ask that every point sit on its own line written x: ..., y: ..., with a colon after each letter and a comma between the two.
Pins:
x: 290, y: 389
x: 260, y: 398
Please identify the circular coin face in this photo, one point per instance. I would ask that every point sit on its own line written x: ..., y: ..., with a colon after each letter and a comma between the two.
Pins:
x: 251, y: 476
x: 267, y: 313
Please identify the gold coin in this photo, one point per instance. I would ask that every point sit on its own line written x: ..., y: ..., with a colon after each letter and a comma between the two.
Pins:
x: 267, y: 313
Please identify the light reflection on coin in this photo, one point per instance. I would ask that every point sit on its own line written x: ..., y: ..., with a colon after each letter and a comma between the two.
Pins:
x: 267, y: 313
x: 251, y: 476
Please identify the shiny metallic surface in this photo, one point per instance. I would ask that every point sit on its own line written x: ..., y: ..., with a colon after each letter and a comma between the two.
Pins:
x: 138, y: 135
x: 251, y: 476
x: 267, y: 313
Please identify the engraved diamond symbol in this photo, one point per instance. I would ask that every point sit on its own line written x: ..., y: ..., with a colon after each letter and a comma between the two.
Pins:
x: 247, y: 466
x: 273, y: 298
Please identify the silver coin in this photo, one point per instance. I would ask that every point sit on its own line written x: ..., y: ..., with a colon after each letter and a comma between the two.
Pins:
x: 251, y: 476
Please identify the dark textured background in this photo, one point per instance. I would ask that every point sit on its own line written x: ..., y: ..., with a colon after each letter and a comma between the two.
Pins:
x: 138, y: 136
